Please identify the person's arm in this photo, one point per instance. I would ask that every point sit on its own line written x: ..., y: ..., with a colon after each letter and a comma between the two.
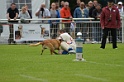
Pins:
x: 58, y: 14
x: 8, y: 14
x: 94, y: 14
x: 29, y: 13
x: 75, y: 13
x: 19, y: 16
x: 17, y: 12
x: 16, y: 16
x: 90, y: 12
x: 86, y: 13
x: 28, y: 16
x: 70, y: 16
x: 37, y: 13
x: 118, y: 19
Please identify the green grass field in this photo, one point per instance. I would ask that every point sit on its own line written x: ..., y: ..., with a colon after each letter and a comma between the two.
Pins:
x: 21, y: 63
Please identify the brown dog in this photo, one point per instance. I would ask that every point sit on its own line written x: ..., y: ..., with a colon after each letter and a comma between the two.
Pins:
x: 52, y: 44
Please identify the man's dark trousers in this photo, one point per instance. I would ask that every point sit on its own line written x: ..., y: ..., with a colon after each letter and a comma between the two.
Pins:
x: 113, y: 34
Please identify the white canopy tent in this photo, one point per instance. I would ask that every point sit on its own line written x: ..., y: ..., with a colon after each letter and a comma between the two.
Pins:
x: 3, y: 8
x: 34, y: 3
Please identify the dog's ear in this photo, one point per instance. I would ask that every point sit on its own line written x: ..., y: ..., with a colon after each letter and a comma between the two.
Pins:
x: 60, y: 40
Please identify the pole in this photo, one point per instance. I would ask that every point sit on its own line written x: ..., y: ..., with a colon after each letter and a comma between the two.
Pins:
x: 79, y: 48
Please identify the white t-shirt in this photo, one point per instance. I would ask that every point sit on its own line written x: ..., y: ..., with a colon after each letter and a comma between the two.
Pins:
x: 24, y: 15
x: 67, y: 38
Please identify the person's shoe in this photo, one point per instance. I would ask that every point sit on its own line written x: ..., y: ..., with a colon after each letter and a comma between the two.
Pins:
x: 14, y: 42
x: 70, y: 49
x: 65, y: 52
x: 94, y: 42
x: 102, y: 48
x: 115, y: 48
x: 72, y: 52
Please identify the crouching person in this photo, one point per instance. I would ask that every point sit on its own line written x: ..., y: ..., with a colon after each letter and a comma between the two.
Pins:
x: 67, y: 43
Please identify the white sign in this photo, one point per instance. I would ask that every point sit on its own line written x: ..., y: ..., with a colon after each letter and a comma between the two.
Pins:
x: 31, y: 32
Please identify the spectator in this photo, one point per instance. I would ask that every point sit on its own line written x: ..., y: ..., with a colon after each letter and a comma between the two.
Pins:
x: 65, y: 13
x: 91, y: 8
x: 77, y: 5
x: 54, y: 26
x: 81, y: 12
x: 24, y: 15
x: 96, y: 31
x: 120, y: 8
x: 87, y: 7
x: 26, y: 6
x: 57, y: 7
x: 95, y: 2
x: 43, y: 12
x: 90, y: 4
x: 121, y: 11
x: 97, y: 11
x: 12, y: 13
x: 62, y: 4
x: 110, y: 21
x: 67, y: 42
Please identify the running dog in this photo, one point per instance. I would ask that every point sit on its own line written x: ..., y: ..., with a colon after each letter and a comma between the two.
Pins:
x: 52, y: 44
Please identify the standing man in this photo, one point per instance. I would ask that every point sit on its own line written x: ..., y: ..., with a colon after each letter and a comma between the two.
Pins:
x: 62, y: 4
x: 120, y: 8
x: 95, y: 2
x: 12, y: 13
x: 81, y: 12
x: 65, y: 13
x: 96, y: 31
x: 110, y: 21
x: 53, y: 25
x: 76, y: 6
x: 43, y: 12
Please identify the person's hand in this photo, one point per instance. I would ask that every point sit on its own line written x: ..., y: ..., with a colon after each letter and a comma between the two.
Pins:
x: 71, y: 17
x: 98, y: 16
x: 102, y: 28
x: 9, y: 18
x: 14, y: 18
x: 118, y: 28
x: 43, y: 17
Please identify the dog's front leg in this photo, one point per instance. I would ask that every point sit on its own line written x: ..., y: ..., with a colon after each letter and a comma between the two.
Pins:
x: 55, y: 52
x: 42, y: 51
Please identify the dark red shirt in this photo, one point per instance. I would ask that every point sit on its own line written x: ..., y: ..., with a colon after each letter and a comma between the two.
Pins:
x: 110, y: 19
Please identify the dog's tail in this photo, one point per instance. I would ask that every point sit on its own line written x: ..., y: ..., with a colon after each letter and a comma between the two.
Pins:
x: 37, y: 44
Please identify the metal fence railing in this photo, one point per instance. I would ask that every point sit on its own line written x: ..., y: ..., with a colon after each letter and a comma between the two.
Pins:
x: 36, y: 30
